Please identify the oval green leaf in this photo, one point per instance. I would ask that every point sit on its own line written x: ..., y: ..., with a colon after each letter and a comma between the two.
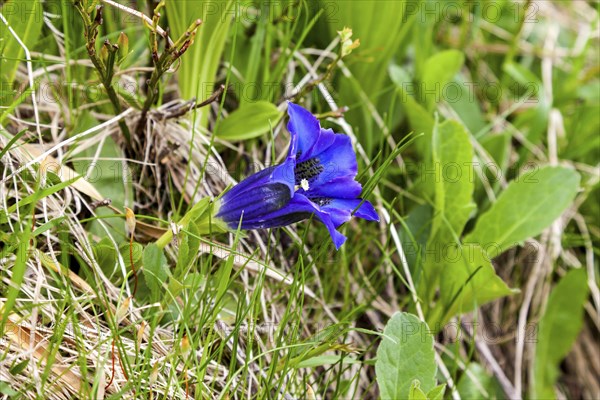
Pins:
x: 405, y: 354
x: 528, y: 206
x: 248, y: 122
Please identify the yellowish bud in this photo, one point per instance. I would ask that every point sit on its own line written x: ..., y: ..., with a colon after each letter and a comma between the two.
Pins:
x: 130, y: 219
x: 310, y: 393
x: 346, y: 41
x: 185, y: 346
x: 123, y: 310
x: 154, y: 374
x: 140, y: 332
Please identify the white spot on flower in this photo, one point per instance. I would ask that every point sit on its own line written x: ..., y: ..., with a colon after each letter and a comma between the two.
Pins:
x: 304, y: 184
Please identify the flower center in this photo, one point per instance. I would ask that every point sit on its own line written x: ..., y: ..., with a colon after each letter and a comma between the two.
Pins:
x: 303, y: 184
x: 307, y: 171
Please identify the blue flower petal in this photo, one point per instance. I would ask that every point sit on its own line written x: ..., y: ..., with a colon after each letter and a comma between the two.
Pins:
x: 323, y: 142
x: 337, y: 160
x: 337, y: 238
x: 340, y: 210
x: 344, y: 187
x: 276, y: 196
x: 304, y: 126
x: 278, y: 219
x: 297, y: 209
x: 325, y: 218
x: 254, y: 204
x: 367, y: 212
x: 282, y: 173
x: 259, y: 194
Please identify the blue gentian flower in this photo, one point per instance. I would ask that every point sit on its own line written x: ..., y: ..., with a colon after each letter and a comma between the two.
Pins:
x: 317, y: 178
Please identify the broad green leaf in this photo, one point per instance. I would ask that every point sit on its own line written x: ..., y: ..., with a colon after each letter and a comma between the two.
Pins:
x: 451, y: 174
x: 461, y: 96
x: 155, y: 269
x: 248, y: 122
x: 405, y: 354
x: 453, y: 179
x: 439, y: 71
x: 106, y: 256
x: 137, y: 252
x: 527, y: 206
x: 558, y: 329
x: 467, y: 280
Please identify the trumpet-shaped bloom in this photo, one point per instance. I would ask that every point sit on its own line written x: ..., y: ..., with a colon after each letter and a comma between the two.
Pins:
x: 317, y: 178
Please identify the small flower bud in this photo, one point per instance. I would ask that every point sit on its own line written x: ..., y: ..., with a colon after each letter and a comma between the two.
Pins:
x: 104, y: 53
x: 346, y: 40
x: 123, y: 43
x: 185, y: 346
x: 123, y: 310
x: 154, y: 374
x: 140, y: 332
x: 310, y: 393
x: 130, y: 219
